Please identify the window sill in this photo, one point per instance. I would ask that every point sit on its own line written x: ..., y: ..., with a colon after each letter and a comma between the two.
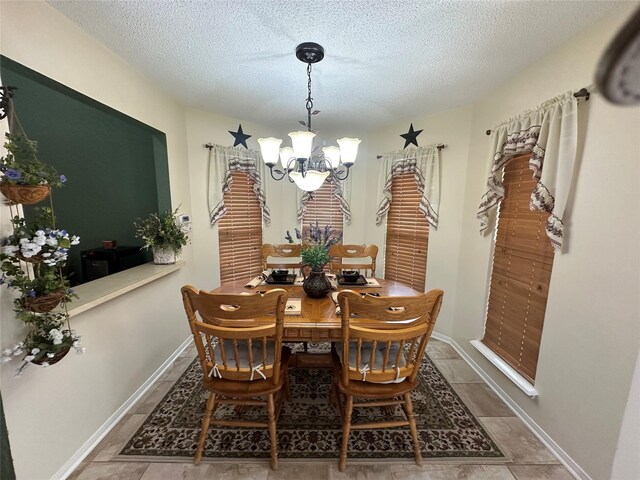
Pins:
x: 107, y: 288
x: 505, y: 368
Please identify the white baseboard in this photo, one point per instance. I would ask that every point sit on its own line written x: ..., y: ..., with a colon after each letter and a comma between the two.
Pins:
x: 562, y: 456
x: 93, y: 441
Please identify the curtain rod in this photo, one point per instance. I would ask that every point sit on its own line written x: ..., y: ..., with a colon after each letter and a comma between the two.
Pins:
x: 439, y: 146
x: 583, y: 92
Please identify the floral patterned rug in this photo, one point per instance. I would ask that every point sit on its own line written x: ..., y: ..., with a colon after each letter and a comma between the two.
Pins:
x: 309, y: 427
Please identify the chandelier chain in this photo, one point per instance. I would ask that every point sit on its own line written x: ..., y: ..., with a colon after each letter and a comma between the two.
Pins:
x: 309, y: 104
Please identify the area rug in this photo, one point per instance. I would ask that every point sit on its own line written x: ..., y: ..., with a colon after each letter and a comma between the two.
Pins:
x: 309, y: 427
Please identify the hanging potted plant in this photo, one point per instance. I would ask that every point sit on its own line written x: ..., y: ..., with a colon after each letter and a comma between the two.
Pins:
x: 24, y: 178
x: 162, y: 235
x: 46, y: 249
x: 48, y: 341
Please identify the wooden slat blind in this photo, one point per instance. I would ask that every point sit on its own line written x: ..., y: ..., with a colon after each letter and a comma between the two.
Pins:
x: 522, y: 262
x: 324, y: 208
x: 405, y: 258
x: 240, y: 232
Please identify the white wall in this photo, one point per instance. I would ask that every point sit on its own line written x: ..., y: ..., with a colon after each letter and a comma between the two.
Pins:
x: 452, y: 129
x: 51, y: 412
x: 205, y: 127
x: 590, y: 340
x: 591, y: 331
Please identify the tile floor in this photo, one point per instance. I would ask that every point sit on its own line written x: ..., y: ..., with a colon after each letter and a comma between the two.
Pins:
x: 530, y: 460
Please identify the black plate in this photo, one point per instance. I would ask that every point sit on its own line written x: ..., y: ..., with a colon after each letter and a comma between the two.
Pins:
x: 360, y: 281
x: 289, y: 281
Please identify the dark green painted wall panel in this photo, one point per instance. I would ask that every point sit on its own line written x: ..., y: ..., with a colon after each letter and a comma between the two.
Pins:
x: 116, y: 167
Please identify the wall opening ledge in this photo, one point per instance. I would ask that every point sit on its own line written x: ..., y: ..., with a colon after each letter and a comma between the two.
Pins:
x: 107, y: 288
x: 505, y: 368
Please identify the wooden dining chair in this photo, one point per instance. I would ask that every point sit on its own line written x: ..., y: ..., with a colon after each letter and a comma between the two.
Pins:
x: 364, y: 252
x: 382, y: 362
x: 281, y: 250
x: 239, y: 362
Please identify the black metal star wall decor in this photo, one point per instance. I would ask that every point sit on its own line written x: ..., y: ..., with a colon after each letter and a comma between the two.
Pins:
x: 410, y: 137
x: 240, y: 137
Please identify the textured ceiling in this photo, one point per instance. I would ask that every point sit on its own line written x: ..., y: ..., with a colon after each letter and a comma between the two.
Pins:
x: 386, y: 60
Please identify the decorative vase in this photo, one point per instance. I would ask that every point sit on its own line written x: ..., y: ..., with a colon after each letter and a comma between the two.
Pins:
x: 163, y: 256
x: 25, y: 194
x: 316, y: 285
x: 55, y: 359
x: 43, y: 303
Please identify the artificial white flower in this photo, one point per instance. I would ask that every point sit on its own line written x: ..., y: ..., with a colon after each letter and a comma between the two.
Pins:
x: 17, y: 352
x: 28, y: 358
x: 35, y: 351
x: 52, y: 241
x: 51, y: 355
x: 29, y: 249
x: 39, y: 233
x: 75, y: 240
x: 39, y: 240
x: 45, y: 364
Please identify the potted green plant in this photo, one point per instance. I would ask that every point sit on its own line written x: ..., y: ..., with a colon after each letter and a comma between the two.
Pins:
x: 46, y: 249
x: 48, y: 341
x: 315, y: 254
x: 162, y: 235
x: 25, y: 179
x: 42, y: 288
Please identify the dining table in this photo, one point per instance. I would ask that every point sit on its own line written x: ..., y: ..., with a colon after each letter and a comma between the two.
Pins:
x: 317, y: 320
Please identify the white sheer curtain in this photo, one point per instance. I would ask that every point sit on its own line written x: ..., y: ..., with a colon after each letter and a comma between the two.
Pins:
x: 550, y: 134
x: 424, y: 163
x: 222, y: 162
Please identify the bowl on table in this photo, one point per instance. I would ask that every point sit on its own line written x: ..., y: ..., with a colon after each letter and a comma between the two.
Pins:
x: 350, y: 275
x: 279, y: 275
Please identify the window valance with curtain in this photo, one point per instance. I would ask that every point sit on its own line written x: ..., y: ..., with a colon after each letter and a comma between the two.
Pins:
x: 550, y: 134
x: 222, y: 162
x: 341, y: 191
x: 424, y: 164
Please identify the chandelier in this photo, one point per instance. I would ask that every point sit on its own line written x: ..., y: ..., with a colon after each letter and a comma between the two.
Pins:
x: 301, y: 163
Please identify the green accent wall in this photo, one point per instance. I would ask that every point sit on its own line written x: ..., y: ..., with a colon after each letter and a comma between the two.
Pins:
x: 116, y: 166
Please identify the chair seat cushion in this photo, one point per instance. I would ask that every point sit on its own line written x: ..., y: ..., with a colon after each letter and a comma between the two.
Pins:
x: 243, y: 354
x: 378, y: 359
x: 240, y: 388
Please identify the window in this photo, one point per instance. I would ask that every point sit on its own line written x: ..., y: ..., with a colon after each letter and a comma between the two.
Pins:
x: 116, y: 166
x: 405, y: 257
x: 240, y: 231
x: 323, y: 207
x: 522, y: 262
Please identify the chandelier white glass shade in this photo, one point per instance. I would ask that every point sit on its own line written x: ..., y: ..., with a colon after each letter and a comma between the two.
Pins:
x: 300, y: 162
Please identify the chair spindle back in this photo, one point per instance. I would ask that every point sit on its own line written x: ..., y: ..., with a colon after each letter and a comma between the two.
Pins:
x: 248, y: 350
x: 395, y: 349
x: 280, y: 250
x: 339, y: 252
